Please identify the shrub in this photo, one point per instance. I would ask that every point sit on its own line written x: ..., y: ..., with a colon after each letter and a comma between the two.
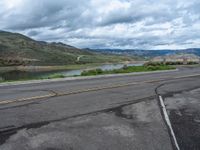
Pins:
x: 53, y: 76
x: 92, y: 72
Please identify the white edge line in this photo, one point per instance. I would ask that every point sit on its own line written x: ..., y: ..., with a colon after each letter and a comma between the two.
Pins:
x: 168, y: 122
x: 80, y: 78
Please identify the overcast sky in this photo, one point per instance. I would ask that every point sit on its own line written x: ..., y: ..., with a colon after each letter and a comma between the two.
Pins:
x: 126, y: 24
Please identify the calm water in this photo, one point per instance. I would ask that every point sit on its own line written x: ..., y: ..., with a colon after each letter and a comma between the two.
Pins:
x: 20, y: 75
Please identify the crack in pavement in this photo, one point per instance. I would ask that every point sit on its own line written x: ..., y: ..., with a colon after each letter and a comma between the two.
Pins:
x: 11, y: 130
x: 170, y: 94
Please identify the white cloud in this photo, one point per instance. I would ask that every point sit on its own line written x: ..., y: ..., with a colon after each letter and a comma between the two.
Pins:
x: 106, y: 24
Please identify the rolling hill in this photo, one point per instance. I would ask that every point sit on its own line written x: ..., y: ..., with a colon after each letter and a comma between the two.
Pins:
x: 17, y: 49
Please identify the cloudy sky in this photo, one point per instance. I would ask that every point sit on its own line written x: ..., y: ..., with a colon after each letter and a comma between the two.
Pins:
x: 126, y: 24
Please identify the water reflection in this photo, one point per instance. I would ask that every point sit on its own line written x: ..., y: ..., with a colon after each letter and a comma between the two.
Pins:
x: 22, y: 75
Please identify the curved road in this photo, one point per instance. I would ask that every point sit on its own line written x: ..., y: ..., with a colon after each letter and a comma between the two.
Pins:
x: 114, y: 112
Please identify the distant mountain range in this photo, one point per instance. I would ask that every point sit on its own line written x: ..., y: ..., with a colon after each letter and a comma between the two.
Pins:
x: 148, y: 53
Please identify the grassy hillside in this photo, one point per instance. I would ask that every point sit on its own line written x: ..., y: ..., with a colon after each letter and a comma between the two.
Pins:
x: 17, y: 49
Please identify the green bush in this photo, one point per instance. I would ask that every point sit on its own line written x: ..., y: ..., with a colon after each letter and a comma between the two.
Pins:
x: 127, y: 69
x: 92, y: 72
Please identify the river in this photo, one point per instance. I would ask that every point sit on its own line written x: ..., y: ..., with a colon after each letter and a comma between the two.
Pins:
x: 22, y: 75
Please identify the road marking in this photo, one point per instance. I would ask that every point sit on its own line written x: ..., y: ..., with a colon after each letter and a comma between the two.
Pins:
x: 187, y: 76
x: 63, y: 94
x: 168, y: 122
x: 2, y: 102
x: 26, y: 99
x: 75, y: 92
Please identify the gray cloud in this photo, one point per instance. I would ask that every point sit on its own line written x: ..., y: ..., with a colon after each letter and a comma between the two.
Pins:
x: 106, y: 24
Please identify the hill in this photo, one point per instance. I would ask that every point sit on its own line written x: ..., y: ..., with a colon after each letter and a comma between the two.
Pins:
x: 148, y: 53
x: 17, y: 49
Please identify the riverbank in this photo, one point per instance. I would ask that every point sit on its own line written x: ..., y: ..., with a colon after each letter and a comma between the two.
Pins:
x: 127, y: 69
x: 103, y: 70
x: 46, y: 68
x: 60, y: 68
x: 50, y: 72
x: 24, y: 82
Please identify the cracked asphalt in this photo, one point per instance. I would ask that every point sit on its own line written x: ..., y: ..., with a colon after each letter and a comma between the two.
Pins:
x: 183, y: 105
x: 116, y: 118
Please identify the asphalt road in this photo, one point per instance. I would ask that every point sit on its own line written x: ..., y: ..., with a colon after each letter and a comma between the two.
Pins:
x: 109, y: 113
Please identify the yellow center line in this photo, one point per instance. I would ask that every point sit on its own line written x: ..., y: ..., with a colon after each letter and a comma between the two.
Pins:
x: 25, y: 99
x: 73, y: 92
x: 89, y: 90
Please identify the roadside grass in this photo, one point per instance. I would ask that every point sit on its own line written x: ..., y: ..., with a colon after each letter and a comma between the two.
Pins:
x: 54, y: 76
x: 126, y: 69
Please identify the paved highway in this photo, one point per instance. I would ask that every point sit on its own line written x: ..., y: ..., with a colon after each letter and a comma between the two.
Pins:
x: 114, y: 113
